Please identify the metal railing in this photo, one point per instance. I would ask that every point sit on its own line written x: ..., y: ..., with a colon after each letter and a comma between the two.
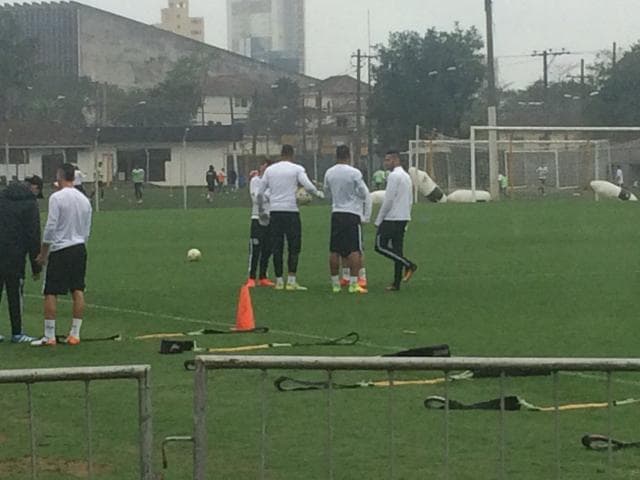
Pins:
x: 141, y: 373
x: 391, y: 365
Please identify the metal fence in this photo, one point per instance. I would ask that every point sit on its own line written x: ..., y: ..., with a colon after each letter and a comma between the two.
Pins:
x: 140, y: 373
x: 392, y: 365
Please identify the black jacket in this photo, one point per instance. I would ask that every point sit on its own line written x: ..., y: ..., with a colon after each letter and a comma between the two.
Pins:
x: 19, y: 229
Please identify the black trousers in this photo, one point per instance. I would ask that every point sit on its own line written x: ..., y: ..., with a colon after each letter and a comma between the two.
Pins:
x: 14, y: 284
x: 286, y: 226
x: 138, y: 189
x: 390, y: 243
x: 259, y: 249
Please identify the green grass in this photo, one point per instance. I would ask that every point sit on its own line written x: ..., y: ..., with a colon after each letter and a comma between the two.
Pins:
x: 512, y: 279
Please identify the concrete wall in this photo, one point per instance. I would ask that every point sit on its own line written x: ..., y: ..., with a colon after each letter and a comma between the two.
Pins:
x: 197, y: 158
x: 218, y: 110
x: 124, y: 52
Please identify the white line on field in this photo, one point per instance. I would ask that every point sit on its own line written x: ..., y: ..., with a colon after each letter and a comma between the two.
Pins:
x: 196, y: 321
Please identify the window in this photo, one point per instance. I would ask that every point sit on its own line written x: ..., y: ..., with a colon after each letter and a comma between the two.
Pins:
x: 341, y: 122
x: 16, y: 156
x: 241, y: 102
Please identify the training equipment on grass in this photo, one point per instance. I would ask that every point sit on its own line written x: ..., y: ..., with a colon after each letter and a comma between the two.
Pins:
x: 196, y: 333
x: 514, y: 402
x: 348, y: 340
x: 422, y: 182
x: 111, y: 338
x: 289, y: 384
x: 467, y: 196
x: 194, y: 255
x: 600, y: 443
x: 442, y: 350
x: 609, y: 190
x: 173, y: 347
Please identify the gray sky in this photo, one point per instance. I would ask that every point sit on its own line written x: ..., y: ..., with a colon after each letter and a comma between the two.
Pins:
x: 337, y: 28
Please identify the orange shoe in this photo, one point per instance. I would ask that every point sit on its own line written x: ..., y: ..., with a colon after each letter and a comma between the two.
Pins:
x: 344, y: 282
x: 408, y: 272
x: 362, y: 282
x: 250, y: 283
x: 71, y: 340
x: 265, y: 282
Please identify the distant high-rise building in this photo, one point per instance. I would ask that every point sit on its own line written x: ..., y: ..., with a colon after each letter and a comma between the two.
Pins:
x: 176, y: 19
x: 268, y: 30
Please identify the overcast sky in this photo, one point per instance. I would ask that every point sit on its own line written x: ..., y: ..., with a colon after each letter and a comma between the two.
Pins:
x: 337, y: 28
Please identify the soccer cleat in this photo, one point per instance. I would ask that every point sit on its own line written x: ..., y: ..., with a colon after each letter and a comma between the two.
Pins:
x: 344, y: 282
x: 357, y: 289
x: 362, y: 282
x: 265, y: 282
x: 336, y: 288
x: 408, y: 272
x: 22, y: 338
x: 1, y: 338
x: 392, y: 288
x: 279, y: 286
x: 251, y: 283
x: 44, y: 342
x: 295, y: 287
x: 71, y: 340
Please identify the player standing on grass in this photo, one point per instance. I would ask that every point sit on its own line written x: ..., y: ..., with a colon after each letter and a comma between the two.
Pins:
x: 543, y: 172
x: 282, y: 180
x: 19, y: 237
x: 64, y: 253
x: 137, y: 175
x: 393, y: 217
x: 260, y: 241
x: 349, y: 193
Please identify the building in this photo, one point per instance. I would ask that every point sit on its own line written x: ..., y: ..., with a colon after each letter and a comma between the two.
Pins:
x: 272, y: 31
x: 161, y: 151
x: 176, y: 19
x: 79, y: 40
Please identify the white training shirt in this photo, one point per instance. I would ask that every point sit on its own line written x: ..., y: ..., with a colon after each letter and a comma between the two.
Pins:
x: 349, y: 193
x: 69, y: 219
x: 397, y: 198
x: 78, y: 178
x: 619, y: 177
x: 282, y: 180
x: 254, y: 187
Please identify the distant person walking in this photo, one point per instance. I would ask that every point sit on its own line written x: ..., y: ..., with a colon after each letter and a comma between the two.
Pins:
x: 137, y: 175
x: 211, y: 177
x: 232, y: 180
x: 282, y: 180
x: 393, y: 217
x: 222, y: 176
x: 543, y: 173
x: 78, y: 180
x: 19, y: 238
x: 619, y: 177
x: 64, y: 252
x: 379, y: 179
x: 503, y: 182
x: 260, y: 239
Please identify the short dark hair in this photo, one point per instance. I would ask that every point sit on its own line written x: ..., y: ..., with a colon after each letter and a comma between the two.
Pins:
x: 393, y: 152
x: 37, y: 181
x: 68, y: 172
x: 287, y: 151
x: 343, y: 152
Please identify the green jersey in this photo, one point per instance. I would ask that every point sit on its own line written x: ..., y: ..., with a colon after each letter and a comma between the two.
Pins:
x: 378, y: 177
x: 137, y: 175
x: 503, y: 180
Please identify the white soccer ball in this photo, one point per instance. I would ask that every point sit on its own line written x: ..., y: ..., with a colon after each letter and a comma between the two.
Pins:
x: 194, y: 255
x: 303, y: 197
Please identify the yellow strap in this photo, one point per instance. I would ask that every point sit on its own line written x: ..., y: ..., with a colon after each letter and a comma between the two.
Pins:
x: 159, y: 335
x: 399, y: 383
x: 246, y: 348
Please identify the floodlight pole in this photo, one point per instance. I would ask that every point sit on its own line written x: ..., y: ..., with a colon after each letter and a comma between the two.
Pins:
x: 184, y: 168
x: 7, y: 151
x: 492, y: 102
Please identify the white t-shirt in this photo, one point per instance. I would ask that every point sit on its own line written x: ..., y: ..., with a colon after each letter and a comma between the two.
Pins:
x: 78, y: 178
x: 282, y: 180
x: 254, y: 187
x: 68, y: 221
x: 398, y: 198
x: 542, y: 172
x: 349, y: 193
x: 619, y: 177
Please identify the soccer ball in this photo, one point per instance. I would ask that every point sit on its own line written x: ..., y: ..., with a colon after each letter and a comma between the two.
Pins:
x: 194, y: 255
x: 303, y: 197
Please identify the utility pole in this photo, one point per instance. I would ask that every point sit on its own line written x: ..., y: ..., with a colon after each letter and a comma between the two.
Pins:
x: 492, y: 103
x: 370, y: 166
x: 545, y: 54
x: 614, y: 58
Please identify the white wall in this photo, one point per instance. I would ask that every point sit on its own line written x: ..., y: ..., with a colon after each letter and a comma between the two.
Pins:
x: 218, y: 110
x: 197, y: 158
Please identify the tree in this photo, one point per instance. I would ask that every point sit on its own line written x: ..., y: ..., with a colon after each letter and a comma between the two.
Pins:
x: 426, y: 80
x: 275, y: 112
x: 17, y: 57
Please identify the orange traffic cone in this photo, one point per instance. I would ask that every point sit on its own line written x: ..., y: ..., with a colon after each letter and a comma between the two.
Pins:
x: 245, y: 321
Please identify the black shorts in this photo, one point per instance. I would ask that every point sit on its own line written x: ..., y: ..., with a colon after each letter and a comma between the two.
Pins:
x: 66, y: 270
x: 259, y: 232
x: 211, y: 187
x: 346, y: 234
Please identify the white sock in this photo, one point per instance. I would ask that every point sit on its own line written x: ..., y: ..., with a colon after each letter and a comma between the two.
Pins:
x: 346, y: 273
x: 279, y: 281
x: 363, y: 273
x: 335, y: 280
x: 353, y: 280
x: 291, y: 280
x: 75, y: 327
x: 50, y: 328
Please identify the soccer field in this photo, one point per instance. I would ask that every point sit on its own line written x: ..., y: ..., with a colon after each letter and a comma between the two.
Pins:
x: 539, y: 278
